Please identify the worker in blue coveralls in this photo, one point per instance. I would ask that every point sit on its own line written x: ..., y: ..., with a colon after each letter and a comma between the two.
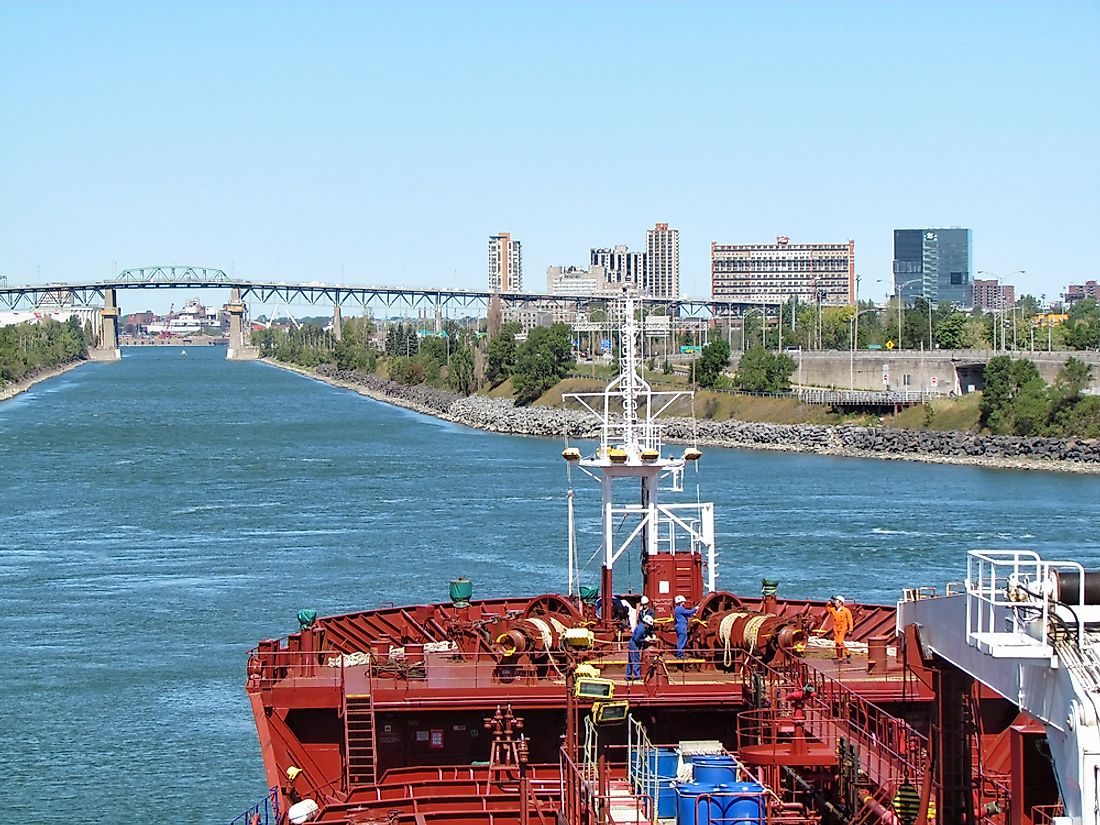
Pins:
x: 682, y: 613
x: 641, y: 634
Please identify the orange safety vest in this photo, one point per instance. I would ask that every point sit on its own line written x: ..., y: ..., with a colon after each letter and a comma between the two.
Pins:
x: 842, y: 621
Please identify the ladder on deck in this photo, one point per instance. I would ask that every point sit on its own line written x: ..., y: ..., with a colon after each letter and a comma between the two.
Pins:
x: 360, y: 762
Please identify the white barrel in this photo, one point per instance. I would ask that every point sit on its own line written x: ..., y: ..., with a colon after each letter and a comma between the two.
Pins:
x: 302, y: 812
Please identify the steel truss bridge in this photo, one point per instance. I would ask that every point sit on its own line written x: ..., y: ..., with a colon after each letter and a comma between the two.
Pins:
x: 316, y: 293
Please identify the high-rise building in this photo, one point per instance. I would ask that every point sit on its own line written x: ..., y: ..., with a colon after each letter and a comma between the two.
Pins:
x: 775, y: 273
x: 934, y: 264
x: 1077, y: 292
x: 505, y: 264
x: 572, y: 280
x: 622, y: 268
x: 993, y: 296
x: 661, y: 278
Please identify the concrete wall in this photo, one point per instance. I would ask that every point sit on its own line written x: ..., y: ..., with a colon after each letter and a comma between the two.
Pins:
x: 953, y: 370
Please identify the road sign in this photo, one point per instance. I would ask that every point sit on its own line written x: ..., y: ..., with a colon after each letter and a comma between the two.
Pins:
x: 889, y: 345
x: 935, y: 380
x: 886, y: 378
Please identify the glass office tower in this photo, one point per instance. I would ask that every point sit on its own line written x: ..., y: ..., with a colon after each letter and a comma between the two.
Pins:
x: 934, y: 264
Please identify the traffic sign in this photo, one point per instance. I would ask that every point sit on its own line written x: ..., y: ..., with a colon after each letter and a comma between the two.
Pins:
x: 889, y: 345
x: 935, y: 380
x: 886, y: 378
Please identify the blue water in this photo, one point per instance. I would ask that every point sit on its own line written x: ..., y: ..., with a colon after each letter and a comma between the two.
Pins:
x: 162, y: 514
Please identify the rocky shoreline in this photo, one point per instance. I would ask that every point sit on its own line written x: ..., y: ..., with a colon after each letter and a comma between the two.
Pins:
x: 885, y: 443
x: 11, y: 390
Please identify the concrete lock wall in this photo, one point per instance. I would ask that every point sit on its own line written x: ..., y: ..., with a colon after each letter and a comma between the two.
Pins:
x: 942, y: 371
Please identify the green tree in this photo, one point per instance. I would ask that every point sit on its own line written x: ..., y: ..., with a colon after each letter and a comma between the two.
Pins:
x: 541, y: 361
x: 461, y: 374
x: 405, y: 370
x: 1015, y: 398
x: 1074, y: 376
x: 950, y: 331
x: 763, y: 371
x: 1066, y: 398
x: 1082, y: 328
x: 27, y: 348
x: 501, y: 353
x: 715, y: 358
x: 996, y: 393
x: 1030, y: 407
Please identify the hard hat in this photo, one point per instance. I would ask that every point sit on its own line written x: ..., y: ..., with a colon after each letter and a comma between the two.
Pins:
x: 838, y: 599
x: 647, y: 619
x: 679, y: 600
x: 645, y: 599
x: 292, y: 772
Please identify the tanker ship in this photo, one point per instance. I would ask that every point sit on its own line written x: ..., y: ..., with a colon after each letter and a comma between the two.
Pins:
x: 673, y: 701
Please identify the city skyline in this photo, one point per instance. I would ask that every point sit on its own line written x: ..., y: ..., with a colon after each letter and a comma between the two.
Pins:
x: 325, y: 141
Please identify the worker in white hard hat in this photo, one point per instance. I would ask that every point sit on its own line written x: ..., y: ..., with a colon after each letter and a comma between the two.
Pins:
x: 645, y: 608
x: 682, y: 613
x: 639, y: 637
x: 843, y: 622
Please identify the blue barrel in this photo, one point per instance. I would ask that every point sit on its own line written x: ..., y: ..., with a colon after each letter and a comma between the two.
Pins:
x: 690, y: 810
x: 745, y: 804
x: 719, y: 769
x: 668, y: 760
x: 661, y: 765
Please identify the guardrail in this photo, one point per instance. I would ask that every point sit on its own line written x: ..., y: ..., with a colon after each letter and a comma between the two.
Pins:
x: 867, y: 398
x: 891, y: 747
x: 264, y: 812
x: 413, y: 668
x: 1011, y: 592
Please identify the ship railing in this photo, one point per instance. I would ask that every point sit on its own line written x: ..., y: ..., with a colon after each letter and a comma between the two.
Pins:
x: 264, y: 812
x: 455, y: 669
x: 1010, y: 594
x: 1046, y: 814
x: 269, y: 665
x: 993, y: 798
x: 887, y: 745
x: 585, y: 800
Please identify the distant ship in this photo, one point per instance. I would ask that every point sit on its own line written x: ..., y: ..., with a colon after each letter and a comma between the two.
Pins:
x: 192, y: 318
x: 518, y: 710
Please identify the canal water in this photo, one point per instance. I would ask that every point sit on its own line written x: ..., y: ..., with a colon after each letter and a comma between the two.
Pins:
x: 160, y: 515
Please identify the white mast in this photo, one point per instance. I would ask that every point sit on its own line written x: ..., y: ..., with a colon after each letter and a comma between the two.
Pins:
x: 630, y: 448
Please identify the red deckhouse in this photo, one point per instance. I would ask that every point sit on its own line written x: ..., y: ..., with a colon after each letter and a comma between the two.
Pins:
x: 516, y: 710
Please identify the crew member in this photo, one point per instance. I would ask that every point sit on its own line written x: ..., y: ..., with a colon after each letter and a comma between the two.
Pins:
x: 639, y: 637
x: 631, y: 614
x: 292, y: 793
x: 645, y: 608
x: 682, y: 613
x: 842, y: 625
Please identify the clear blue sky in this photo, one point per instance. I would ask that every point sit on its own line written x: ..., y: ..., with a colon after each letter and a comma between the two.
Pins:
x: 383, y: 142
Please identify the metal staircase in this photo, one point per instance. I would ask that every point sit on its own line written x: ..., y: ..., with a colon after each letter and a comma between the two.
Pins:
x: 360, y: 762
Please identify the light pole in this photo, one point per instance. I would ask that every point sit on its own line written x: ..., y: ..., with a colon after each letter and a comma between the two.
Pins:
x: 853, y: 328
x: 1001, y: 308
x: 901, y: 303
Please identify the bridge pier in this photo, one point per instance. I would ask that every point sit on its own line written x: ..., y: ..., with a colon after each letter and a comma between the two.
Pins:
x: 337, y: 323
x: 107, y: 348
x: 239, y: 349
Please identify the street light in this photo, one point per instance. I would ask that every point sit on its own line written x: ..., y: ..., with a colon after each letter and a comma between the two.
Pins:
x: 763, y: 323
x: 1001, y: 308
x: 853, y: 328
x: 901, y: 303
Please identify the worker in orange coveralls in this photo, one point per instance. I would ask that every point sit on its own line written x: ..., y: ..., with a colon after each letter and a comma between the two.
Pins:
x: 842, y: 625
